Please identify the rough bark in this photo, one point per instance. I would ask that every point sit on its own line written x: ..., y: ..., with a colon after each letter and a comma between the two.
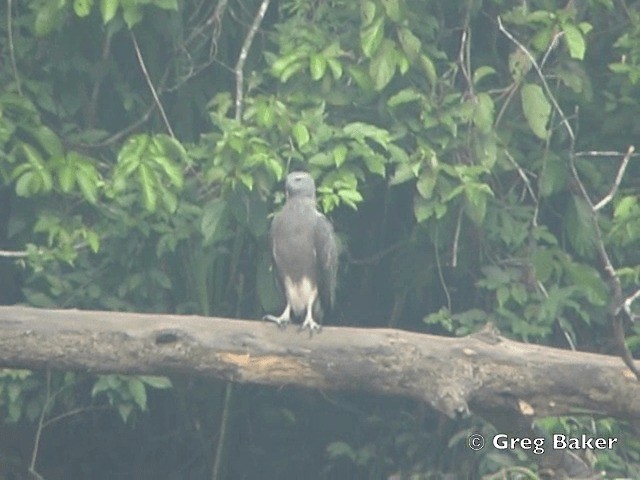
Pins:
x: 483, y: 372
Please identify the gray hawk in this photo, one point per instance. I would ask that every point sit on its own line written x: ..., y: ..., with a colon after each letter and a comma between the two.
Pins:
x: 304, y: 252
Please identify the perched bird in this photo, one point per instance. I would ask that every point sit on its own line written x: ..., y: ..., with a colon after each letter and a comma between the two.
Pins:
x: 305, y: 254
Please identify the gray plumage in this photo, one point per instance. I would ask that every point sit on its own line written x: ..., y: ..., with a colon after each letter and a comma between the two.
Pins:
x: 305, y: 255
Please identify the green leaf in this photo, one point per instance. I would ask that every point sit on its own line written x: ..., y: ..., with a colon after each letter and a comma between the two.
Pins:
x: 543, y: 263
x: 66, y: 177
x: 368, y: 11
x: 131, y: 12
x: 148, y: 182
x: 537, y: 109
x: 108, y: 9
x: 585, y: 27
x: 383, y: 66
x: 359, y: 130
x: 166, y: 4
x: 429, y: 69
x: 575, y: 41
x: 14, y: 412
x: 482, y: 72
x: 485, y: 149
x: 93, y: 240
x: 578, y: 226
x: 392, y: 8
x: 426, y: 183
x: 317, y: 66
x: 483, y: 113
x: 48, y: 140
x: 361, y: 77
x: 339, y: 154
x: 23, y: 185
x: 422, y: 208
x: 336, y: 67
x: 322, y: 159
x: 301, y: 134
x: 554, y: 175
x: 88, y: 185
x: 153, y: 381
x: 406, y: 95
x: 476, y: 202
x: 625, y: 207
x: 133, y: 149
x: 171, y: 147
x: 101, y: 385
x: 350, y: 197
x: 410, y: 44
x: 291, y: 70
x: 340, y: 449
x: 404, y: 172
x: 48, y: 18
x: 371, y: 37
x: 281, y: 65
x: 125, y: 409
x: 211, y: 218
x: 376, y: 164
x: 587, y: 279
x: 138, y: 392
x: 171, y: 170
x: 82, y: 7
x: 13, y: 391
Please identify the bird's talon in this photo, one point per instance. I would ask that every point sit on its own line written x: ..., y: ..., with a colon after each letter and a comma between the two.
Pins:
x: 281, y: 322
x: 312, y: 326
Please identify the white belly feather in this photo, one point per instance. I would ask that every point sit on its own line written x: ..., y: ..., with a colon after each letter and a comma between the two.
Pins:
x: 300, y: 295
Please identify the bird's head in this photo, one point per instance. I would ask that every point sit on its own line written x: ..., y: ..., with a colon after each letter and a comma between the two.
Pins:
x: 300, y: 184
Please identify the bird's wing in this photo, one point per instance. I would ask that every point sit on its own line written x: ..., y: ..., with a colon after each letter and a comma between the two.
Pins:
x: 272, y: 250
x: 327, y: 260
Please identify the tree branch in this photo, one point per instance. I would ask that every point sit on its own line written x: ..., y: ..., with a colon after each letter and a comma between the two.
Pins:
x: 156, y: 98
x: 481, y: 372
x: 242, y: 58
x: 616, y: 184
x: 12, y: 54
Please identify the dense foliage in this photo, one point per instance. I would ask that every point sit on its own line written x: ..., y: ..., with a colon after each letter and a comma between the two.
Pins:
x: 473, y: 155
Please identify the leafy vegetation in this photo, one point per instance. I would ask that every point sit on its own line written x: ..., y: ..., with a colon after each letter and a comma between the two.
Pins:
x: 474, y: 157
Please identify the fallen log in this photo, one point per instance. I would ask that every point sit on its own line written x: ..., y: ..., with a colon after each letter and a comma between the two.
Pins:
x: 482, y: 372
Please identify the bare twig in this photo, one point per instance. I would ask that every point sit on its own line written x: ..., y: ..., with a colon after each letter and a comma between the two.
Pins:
x: 547, y: 89
x: 440, y: 275
x: 593, y: 153
x: 125, y: 131
x: 627, y: 305
x: 464, y: 56
x: 242, y: 58
x: 156, y: 98
x: 456, y: 240
x: 10, y: 254
x: 36, y: 441
x: 95, y: 92
x: 12, y: 54
x: 527, y: 184
x: 215, y: 21
x: 511, y: 91
x: 71, y: 413
x: 614, y: 188
x: 552, y: 45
